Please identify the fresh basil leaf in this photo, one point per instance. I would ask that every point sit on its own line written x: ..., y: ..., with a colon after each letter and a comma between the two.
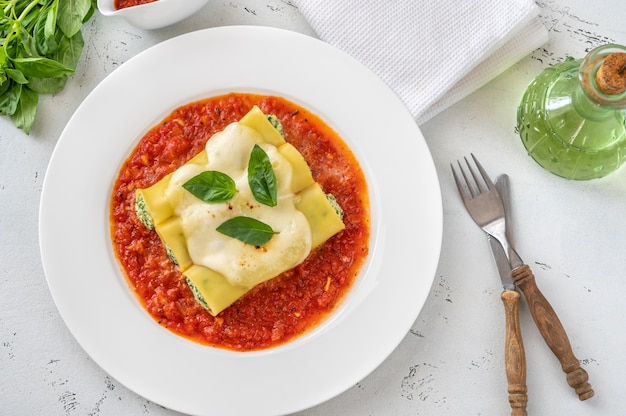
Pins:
x: 29, y: 20
x: 249, y: 230
x: 24, y: 116
x: 51, y: 19
x: 71, y: 14
x: 45, y: 46
x: 50, y: 85
x: 10, y: 99
x: 92, y: 10
x: 16, y: 76
x: 41, y: 67
x: 25, y: 46
x: 4, y: 59
x: 43, y: 32
x: 261, y: 177
x: 70, y: 49
x: 5, y: 84
x: 212, y: 186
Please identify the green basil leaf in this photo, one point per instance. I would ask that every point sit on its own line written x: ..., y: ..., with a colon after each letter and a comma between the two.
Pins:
x: 5, y: 84
x: 51, y: 20
x: 43, y: 32
x: 69, y: 50
x: 10, y: 98
x: 4, y: 59
x: 92, y: 10
x: 16, y: 76
x: 19, y: 46
x: 261, y: 177
x: 50, y: 85
x: 41, y: 67
x: 24, y: 116
x: 29, y: 20
x: 71, y: 14
x: 212, y: 186
x: 249, y: 230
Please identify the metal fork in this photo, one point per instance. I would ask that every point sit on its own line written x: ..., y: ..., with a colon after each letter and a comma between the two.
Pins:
x: 485, y: 206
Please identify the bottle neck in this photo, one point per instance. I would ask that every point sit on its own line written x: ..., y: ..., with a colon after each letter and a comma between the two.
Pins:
x: 589, y: 108
x: 590, y: 69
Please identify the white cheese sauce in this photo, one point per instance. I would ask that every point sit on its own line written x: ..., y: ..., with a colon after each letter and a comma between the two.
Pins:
x: 241, y: 263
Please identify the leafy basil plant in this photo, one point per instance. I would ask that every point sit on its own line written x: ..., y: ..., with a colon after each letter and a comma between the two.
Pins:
x: 40, y: 48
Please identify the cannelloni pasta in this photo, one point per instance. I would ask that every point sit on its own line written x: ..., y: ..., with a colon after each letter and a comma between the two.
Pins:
x: 218, y: 267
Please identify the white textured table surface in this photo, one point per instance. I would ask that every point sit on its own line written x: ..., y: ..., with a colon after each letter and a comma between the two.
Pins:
x: 451, y: 362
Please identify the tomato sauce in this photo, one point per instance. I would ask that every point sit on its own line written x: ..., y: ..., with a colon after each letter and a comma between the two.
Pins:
x: 122, y: 4
x: 275, y: 311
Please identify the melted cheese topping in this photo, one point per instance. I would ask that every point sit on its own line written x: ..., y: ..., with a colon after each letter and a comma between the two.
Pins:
x: 241, y: 264
x: 220, y: 269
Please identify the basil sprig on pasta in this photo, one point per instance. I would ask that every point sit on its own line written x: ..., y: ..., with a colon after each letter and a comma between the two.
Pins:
x: 214, y: 187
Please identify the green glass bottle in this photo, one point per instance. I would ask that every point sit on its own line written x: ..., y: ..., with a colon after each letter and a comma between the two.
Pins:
x: 571, y: 121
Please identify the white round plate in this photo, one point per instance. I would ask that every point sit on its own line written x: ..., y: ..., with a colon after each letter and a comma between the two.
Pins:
x: 103, y: 314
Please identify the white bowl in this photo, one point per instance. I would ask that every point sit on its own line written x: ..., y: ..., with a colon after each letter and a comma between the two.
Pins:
x: 159, y: 13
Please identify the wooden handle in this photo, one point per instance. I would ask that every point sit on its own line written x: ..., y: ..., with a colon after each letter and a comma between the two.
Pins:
x: 552, y: 331
x: 514, y: 355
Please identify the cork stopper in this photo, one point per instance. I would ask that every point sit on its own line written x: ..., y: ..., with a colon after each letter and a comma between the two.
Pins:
x: 611, y: 76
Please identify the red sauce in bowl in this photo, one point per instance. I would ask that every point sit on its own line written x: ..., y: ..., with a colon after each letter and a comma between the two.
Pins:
x: 122, y: 4
x: 275, y: 311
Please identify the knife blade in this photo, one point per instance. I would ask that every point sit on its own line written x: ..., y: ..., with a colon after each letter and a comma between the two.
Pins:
x: 504, y: 267
x: 542, y: 312
x: 514, y: 354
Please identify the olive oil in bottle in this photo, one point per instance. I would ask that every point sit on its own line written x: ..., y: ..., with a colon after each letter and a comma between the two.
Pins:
x: 572, y: 117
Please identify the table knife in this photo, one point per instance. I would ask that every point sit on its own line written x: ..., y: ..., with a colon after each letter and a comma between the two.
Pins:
x: 514, y: 354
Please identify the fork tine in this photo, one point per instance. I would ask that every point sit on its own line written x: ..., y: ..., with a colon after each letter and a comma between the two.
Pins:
x: 479, y: 187
x: 469, y: 188
x: 486, y: 177
x: 459, y: 185
x: 468, y: 182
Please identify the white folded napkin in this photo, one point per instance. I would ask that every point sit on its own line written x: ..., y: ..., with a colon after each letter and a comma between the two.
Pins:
x: 431, y: 53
